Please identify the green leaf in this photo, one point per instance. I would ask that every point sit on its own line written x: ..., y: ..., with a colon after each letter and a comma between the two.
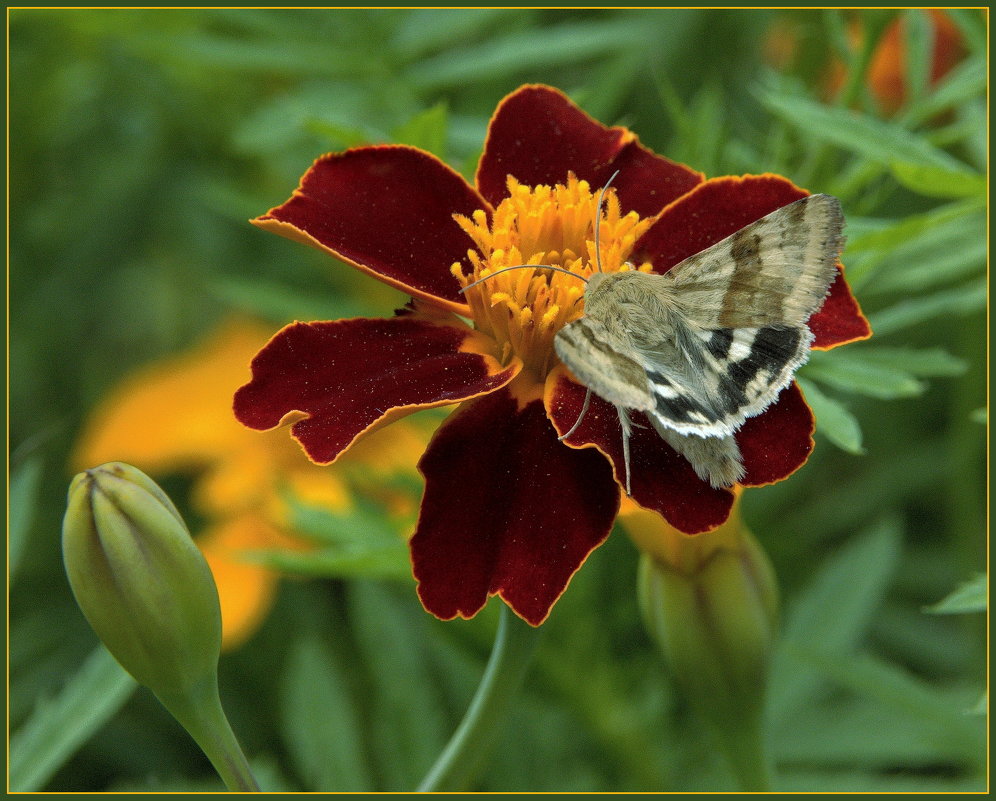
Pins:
x: 919, y: 252
x: 919, y: 52
x: 959, y: 301
x: 409, y: 727
x: 848, y: 371
x: 936, y: 263
x: 981, y: 706
x: 874, y: 139
x: 319, y: 721
x: 22, y: 500
x: 966, y: 81
x: 281, y: 303
x: 834, y: 421
x: 927, y: 362
x: 940, y: 182
x: 59, y: 726
x: 980, y: 415
x: 833, y: 611
x: 428, y: 29
x: 374, y: 561
x: 521, y: 51
x: 972, y: 596
x: 426, y: 130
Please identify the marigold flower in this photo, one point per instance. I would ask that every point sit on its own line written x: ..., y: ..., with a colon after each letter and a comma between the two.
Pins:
x: 240, y: 474
x: 508, y: 509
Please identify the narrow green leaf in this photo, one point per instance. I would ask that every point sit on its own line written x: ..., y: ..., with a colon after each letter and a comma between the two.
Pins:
x: 518, y: 52
x: 255, y: 56
x: 935, y: 720
x: 972, y: 596
x: 22, y: 501
x: 833, y: 611
x: 919, y: 44
x: 375, y: 561
x: 879, y: 141
x: 959, y: 301
x: 927, y: 362
x: 884, y: 235
x: 940, y: 182
x: 59, y: 726
x: 868, y: 723
x: 281, y: 303
x: 319, y: 722
x: 426, y: 130
x: 409, y: 726
x: 834, y: 421
x: 919, y: 252
x: 428, y: 29
x: 853, y: 374
x: 980, y: 415
x: 966, y: 81
x: 981, y: 706
x: 359, y: 526
x: 343, y: 136
x: 909, y: 270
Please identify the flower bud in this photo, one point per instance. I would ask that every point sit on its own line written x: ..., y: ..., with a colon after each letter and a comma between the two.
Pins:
x: 711, y: 603
x: 150, y: 596
x: 140, y: 580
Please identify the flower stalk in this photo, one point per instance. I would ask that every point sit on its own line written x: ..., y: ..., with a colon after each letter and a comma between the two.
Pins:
x: 515, y: 642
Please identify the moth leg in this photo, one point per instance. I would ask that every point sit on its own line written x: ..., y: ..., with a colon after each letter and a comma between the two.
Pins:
x: 584, y: 411
x: 627, y: 428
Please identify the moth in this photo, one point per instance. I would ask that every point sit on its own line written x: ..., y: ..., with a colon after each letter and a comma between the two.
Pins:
x: 713, y: 341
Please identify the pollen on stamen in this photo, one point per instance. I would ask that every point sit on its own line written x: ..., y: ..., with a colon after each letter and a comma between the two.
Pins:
x: 524, y: 309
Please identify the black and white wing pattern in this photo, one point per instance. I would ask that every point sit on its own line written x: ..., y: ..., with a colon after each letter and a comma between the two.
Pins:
x: 713, y: 341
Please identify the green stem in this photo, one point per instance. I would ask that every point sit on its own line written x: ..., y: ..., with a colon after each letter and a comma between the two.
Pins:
x: 515, y: 642
x: 201, y: 714
x: 748, y: 759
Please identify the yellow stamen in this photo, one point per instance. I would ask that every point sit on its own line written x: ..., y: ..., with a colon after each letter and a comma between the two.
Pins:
x: 524, y: 309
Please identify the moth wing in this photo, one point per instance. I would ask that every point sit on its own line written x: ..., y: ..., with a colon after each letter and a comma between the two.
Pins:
x: 775, y: 271
x: 723, y: 376
x: 605, y: 364
x: 714, y: 459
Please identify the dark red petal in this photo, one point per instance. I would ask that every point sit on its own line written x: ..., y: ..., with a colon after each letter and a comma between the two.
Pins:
x: 507, y: 510
x: 538, y: 135
x: 840, y: 319
x: 661, y: 479
x: 346, y: 376
x: 777, y: 442
x: 721, y: 206
x: 709, y: 213
x: 387, y: 210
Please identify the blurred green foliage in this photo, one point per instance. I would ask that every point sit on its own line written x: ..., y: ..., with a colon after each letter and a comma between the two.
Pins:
x: 140, y: 143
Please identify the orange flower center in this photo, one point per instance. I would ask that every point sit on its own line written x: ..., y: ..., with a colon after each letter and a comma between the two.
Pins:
x: 522, y: 310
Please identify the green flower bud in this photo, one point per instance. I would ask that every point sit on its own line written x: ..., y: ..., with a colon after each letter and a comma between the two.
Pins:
x: 149, y: 594
x: 139, y: 578
x: 711, y: 603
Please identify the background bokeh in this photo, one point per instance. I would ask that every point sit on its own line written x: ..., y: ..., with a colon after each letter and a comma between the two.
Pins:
x: 141, y: 142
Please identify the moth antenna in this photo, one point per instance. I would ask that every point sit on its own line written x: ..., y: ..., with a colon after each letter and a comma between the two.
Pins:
x: 584, y: 411
x: 522, y: 267
x: 598, y: 220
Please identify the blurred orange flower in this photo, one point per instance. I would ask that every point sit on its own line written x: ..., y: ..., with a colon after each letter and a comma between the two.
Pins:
x: 889, y: 63
x: 175, y: 416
